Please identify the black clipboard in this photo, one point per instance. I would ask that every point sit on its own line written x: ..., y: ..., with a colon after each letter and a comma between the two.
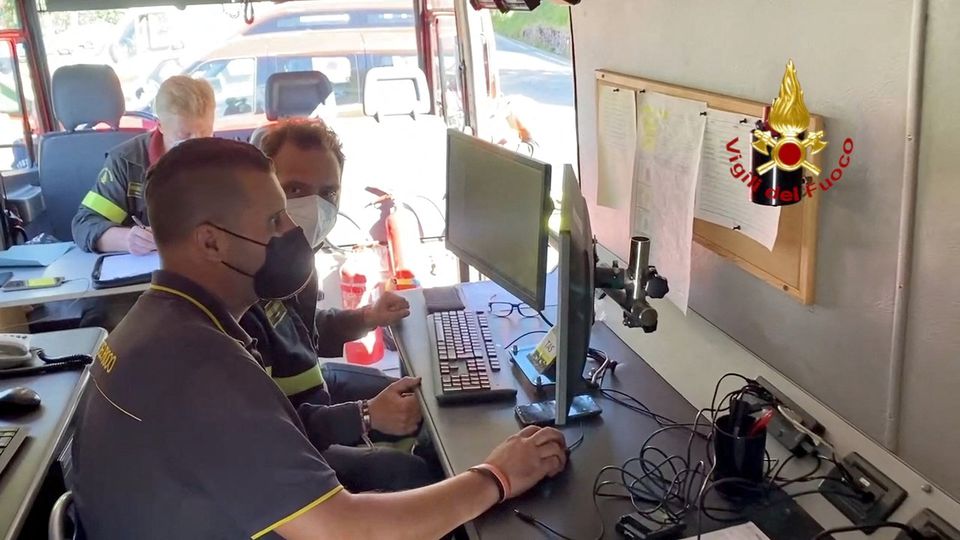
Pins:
x: 137, y: 279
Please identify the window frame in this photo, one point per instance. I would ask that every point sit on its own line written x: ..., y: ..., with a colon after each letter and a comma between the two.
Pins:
x: 11, y: 39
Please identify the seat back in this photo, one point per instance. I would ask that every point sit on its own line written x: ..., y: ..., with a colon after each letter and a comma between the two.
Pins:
x: 68, y: 162
x: 295, y: 94
x: 395, y: 90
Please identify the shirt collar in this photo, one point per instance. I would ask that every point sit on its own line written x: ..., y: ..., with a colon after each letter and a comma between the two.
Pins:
x: 155, y: 149
x: 170, y: 283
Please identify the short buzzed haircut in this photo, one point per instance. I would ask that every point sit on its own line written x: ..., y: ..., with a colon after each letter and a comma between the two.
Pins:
x: 305, y: 135
x: 185, y: 96
x: 196, y: 183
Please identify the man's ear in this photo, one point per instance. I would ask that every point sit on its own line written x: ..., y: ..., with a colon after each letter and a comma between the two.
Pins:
x: 210, y: 242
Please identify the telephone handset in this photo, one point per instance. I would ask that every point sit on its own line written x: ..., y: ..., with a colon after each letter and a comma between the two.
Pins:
x: 14, y: 350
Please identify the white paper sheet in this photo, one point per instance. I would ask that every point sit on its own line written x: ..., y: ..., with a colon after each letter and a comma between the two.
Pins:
x: 128, y: 265
x: 617, y: 143
x: 745, y: 531
x: 723, y: 199
x: 669, y: 141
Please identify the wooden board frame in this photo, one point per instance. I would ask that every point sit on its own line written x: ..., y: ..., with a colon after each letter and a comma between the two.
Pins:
x: 791, y: 266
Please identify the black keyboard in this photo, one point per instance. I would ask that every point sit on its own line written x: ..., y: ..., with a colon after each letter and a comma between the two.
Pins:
x: 466, y: 359
x: 11, y: 438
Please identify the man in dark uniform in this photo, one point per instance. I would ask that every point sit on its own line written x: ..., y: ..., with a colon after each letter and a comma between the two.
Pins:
x: 112, y: 216
x: 291, y: 334
x: 183, y: 435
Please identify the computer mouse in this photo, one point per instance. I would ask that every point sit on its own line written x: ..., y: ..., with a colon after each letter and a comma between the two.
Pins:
x: 19, y: 399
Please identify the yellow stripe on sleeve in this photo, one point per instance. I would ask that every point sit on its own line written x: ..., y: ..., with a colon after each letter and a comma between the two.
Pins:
x: 105, y: 207
x: 305, y: 380
x: 299, y: 512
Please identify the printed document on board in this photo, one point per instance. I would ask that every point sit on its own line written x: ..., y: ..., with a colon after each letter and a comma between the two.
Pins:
x: 616, y: 145
x: 669, y: 141
x: 722, y: 198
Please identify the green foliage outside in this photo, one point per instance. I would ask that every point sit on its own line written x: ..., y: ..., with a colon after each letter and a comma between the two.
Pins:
x: 8, y: 15
x: 547, y: 27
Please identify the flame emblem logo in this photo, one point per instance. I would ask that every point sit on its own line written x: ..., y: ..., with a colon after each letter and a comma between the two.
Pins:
x: 786, y: 144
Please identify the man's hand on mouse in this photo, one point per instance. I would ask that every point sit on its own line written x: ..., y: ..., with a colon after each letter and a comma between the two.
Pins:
x: 396, y: 411
x: 389, y: 309
x: 529, y: 456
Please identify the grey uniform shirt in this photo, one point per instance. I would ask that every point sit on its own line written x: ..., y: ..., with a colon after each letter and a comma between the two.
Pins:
x: 182, y: 434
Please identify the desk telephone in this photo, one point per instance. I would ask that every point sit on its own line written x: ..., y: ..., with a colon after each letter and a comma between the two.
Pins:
x: 14, y: 350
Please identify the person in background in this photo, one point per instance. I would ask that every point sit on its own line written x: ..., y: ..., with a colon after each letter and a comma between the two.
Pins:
x: 112, y: 216
x: 291, y: 334
x: 184, y: 435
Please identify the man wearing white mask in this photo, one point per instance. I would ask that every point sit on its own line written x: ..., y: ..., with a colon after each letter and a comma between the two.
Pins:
x: 343, y: 407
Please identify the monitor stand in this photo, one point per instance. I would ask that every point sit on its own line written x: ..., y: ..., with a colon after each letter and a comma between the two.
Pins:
x: 520, y: 356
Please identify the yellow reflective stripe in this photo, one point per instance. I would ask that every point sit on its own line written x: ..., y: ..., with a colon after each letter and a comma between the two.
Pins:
x: 104, y: 206
x: 299, y: 512
x: 306, y: 380
x: 193, y: 301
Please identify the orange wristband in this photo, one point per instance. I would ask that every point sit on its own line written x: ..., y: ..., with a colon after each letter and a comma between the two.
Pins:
x: 504, y: 481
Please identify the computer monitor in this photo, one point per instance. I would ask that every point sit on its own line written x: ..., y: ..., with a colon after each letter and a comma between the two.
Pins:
x: 498, y: 204
x: 576, y: 295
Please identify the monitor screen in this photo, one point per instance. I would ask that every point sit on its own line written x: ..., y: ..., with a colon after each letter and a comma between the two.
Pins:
x: 498, y: 204
x: 576, y: 294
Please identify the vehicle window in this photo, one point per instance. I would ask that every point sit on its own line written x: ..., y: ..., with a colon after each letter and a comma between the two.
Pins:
x: 8, y: 15
x: 233, y: 84
x: 343, y: 72
x: 334, y: 21
x: 16, y: 125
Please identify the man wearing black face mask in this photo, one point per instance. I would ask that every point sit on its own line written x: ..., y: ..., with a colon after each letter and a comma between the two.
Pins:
x: 344, y: 408
x: 182, y: 434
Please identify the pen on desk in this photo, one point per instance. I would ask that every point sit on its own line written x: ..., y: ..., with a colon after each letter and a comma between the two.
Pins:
x: 761, y: 423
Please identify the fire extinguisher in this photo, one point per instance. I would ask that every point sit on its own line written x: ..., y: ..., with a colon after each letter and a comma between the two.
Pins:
x: 402, y: 231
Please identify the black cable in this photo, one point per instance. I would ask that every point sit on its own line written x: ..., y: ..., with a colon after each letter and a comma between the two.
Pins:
x: 527, y: 518
x: 886, y: 524
x: 521, y: 336
x: 545, y: 319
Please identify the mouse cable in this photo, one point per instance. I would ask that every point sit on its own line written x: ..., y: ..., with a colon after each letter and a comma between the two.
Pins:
x: 527, y: 518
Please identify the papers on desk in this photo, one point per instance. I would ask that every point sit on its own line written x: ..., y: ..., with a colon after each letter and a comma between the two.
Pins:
x: 33, y: 254
x: 126, y: 266
x: 745, y: 531
x: 669, y: 141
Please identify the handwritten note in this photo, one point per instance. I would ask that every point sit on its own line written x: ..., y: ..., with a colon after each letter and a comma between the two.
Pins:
x: 669, y: 140
x: 721, y: 198
x: 617, y: 143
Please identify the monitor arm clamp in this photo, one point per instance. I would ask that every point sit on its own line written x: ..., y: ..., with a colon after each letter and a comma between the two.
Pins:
x: 630, y: 287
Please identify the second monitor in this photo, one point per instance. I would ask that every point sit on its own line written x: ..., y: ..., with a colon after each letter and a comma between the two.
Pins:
x: 498, y: 205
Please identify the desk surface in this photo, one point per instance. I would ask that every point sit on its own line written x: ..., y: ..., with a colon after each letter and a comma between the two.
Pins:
x: 60, y: 393
x: 465, y: 435
x: 75, y: 266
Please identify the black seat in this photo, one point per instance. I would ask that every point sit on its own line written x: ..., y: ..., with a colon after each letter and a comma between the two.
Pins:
x: 84, y: 96
x: 295, y: 94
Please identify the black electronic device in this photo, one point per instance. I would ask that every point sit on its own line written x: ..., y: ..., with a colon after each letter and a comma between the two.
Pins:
x: 18, y: 399
x: 35, y: 283
x: 636, y: 526
x: 544, y: 413
x: 498, y: 208
x: 11, y: 439
x: 576, y: 296
x: 466, y: 357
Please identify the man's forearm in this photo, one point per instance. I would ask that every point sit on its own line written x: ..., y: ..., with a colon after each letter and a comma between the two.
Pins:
x: 428, y: 512
x: 113, y: 239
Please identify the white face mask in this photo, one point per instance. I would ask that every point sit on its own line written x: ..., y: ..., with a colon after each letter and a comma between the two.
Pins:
x: 315, y: 215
